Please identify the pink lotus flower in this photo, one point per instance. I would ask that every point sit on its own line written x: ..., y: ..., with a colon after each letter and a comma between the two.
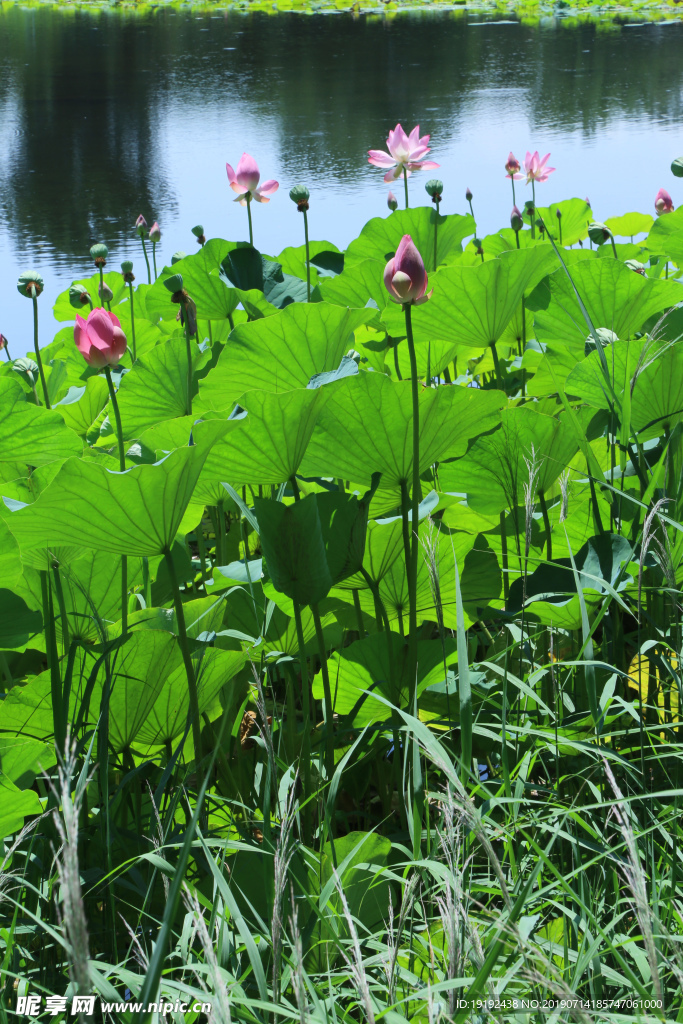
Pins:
x: 141, y: 225
x: 404, y: 153
x: 100, y: 339
x: 535, y: 168
x: 245, y: 181
x: 155, y: 232
x: 663, y: 202
x: 512, y: 167
x: 392, y: 202
x: 405, y: 277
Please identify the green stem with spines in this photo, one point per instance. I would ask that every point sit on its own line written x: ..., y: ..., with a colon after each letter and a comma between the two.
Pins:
x: 144, y: 253
x: 132, y: 319
x: 329, y: 715
x: 412, y: 567
x: 187, y: 657
x: 308, y: 259
x: 405, y: 184
x: 154, y: 258
x: 41, y: 371
x: 251, y: 230
x: 122, y: 468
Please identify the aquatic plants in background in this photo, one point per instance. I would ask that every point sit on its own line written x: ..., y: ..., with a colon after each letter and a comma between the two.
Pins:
x: 341, y: 609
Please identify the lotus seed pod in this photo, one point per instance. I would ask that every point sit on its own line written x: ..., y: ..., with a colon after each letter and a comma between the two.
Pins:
x: 434, y: 188
x: 299, y: 194
x: 79, y: 296
x: 178, y: 256
x: 99, y: 253
x: 30, y: 282
x: 677, y: 167
x: 174, y: 283
x: 636, y: 265
x: 198, y: 230
x: 105, y: 292
x: 127, y: 267
x: 599, y: 233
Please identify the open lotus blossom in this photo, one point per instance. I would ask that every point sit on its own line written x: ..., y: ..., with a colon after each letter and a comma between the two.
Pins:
x: 535, y: 168
x: 512, y: 167
x: 100, y: 339
x: 663, y: 202
x: 405, y: 277
x: 405, y: 152
x: 245, y: 181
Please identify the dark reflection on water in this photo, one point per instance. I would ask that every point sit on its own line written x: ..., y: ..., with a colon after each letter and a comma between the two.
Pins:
x: 106, y: 115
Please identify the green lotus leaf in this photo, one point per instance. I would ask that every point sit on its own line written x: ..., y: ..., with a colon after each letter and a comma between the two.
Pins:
x: 22, y: 758
x: 18, y: 622
x: 576, y: 215
x: 358, y: 284
x: 137, y: 512
x: 15, y: 805
x: 214, y: 296
x: 630, y: 224
x: 380, y: 237
x: 293, y: 259
x: 615, y: 297
x: 587, y: 379
x: 365, y: 427
x: 82, y: 405
x: 666, y: 236
x: 473, y: 305
x: 495, y: 470
x: 657, y: 399
x: 156, y: 388
x: 10, y: 558
x: 30, y: 433
x: 63, y: 310
x: 364, y: 666
x: 270, y: 442
x: 281, y: 352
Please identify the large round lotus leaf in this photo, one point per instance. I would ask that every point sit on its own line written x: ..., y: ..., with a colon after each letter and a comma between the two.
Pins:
x: 474, y: 305
x: 494, y: 471
x: 575, y: 216
x: 281, y: 352
x: 380, y: 237
x: 213, y: 295
x: 366, y: 427
x: 630, y: 224
x: 32, y: 434
x: 666, y: 236
x: 657, y: 400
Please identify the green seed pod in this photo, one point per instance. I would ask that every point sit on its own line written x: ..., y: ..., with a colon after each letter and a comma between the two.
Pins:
x: 198, y: 230
x: 28, y: 281
x: 677, y: 167
x: 604, y: 336
x: 105, y: 292
x: 127, y: 267
x: 299, y: 194
x: 178, y: 256
x: 79, y: 296
x: 99, y: 251
x: 174, y: 283
x: 434, y: 187
x: 599, y: 233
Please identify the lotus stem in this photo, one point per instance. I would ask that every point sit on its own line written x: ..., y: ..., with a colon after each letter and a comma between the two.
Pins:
x: 144, y: 253
x: 436, y: 228
x: 546, y: 523
x: 101, y: 288
x: 306, y: 708
x: 132, y: 319
x: 187, y: 657
x: 41, y: 371
x: 614, y: 248
x: 154, y: 258
x: 122, y: 468
x: 329, y: 714
x: 251, y: 231
x: 308, y: 258
x: 405, y: 184
x: 412, y: 567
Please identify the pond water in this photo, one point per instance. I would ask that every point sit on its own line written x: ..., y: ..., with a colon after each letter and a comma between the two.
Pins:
x: 106, y: 115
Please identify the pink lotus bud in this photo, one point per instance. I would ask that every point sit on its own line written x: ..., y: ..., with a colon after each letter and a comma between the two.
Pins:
x: 392, y: 202
x: 3, y: 341
x: 468, y: 195
x: 663, y: 202
x: 405, y: 277
x: 512, y: 166
x: 155, y: 233
x: 516, y: 221
x: 141, y: 225
x: 100, y: 339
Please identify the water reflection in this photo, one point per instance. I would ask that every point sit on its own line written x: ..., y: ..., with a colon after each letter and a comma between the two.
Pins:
x: 107, y: 115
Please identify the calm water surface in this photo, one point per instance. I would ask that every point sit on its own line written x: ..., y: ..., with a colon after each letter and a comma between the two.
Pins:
x: 105, y: 116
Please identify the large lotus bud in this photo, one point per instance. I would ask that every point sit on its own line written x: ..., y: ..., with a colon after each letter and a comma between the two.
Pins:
x: 100, y: 339
x: 663, y: 202
x: 105, y: 292
x: 155, y: 233
x: 516, y: 222
x: 392, y: 202
x: 405, y: 277
x: 141, y: 226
